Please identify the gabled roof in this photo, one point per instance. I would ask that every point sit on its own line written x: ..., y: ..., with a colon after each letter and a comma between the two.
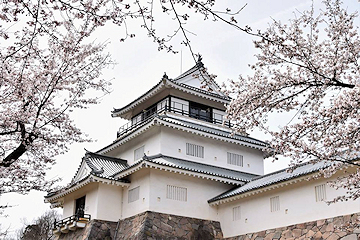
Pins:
x: 201, y: 76
x: 181, y: 83
x: 203, y: 129
x: 163, y: 162
x: 99, y: 165
x: 94, y: 167
x: 272, y: 178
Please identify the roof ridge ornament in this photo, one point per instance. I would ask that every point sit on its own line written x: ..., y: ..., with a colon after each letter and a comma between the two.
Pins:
x: 97, y: 171
x: 165, y: 76
x: 199, y: 61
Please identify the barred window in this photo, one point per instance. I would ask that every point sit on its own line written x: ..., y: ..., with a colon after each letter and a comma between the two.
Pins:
x: 236, y: 213
x: 320, y: 193
x: 194, y: 150
x: 134, y: 194
x: 274, y: 204
x: 176, y: 193
x: 235, y: 159
x: 139, y: 153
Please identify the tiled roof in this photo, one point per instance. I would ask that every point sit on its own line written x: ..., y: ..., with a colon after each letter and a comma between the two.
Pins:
x: 273, y: 178
x: 218, y: 131
x: 98, y: 165
x: 204, y: 127
x: 175, y: 82
x: 201, y: 168
x: 200, y: 72
x: 104, y: 166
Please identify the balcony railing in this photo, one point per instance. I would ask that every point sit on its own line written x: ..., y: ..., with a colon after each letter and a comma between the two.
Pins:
x: 69, y: 220
x: 178, y: 108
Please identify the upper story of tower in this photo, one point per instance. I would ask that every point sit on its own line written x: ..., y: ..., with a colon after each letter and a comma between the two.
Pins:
x: 184, y: 95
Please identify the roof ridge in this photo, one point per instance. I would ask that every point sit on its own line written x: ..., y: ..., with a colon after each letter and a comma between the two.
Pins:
x: 250, y: 138
x: 114, y: 159
x: 203, y: 164
x: 269, y: 182
x: 284, y: 169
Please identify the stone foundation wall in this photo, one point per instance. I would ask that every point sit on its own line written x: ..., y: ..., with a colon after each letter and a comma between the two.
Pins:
x: 326, y: 229
x: 150, y: 226
x: 94, y: 230
x: 153, y: 226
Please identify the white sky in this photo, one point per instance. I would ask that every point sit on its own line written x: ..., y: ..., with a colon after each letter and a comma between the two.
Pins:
x: 226, y: 52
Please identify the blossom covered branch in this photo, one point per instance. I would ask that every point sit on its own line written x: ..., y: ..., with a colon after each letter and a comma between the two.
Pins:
x: 308, y: 68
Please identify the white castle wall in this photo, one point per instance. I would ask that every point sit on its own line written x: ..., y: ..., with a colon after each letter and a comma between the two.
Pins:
x: 297, y: 205
x: 108, y: 202
x: 142, y: 179
x: 198, y: 192
x: 91, y: 192
x: 173, y: 143
x: 150, y: 139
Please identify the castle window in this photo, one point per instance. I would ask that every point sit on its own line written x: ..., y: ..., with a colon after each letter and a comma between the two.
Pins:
x: 320, y: 193
x: 274, y: 204
x: 235, y: 159
x: 236, y: 213
x: 136, y: 120
x: 200, y: 111
x: 134, y: 194
x: 139, y: 153
x: 176, y: 193
x: 194, y: 150
x: 150, y: 111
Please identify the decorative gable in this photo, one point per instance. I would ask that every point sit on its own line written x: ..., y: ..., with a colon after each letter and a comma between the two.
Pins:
x: 197, y: 77
x: 83, y: 172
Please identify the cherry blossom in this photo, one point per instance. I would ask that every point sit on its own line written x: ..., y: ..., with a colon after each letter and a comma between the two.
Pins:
x: 308, y: 68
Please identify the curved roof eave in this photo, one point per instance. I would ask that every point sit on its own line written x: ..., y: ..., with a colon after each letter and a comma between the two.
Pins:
x: 165, y: 83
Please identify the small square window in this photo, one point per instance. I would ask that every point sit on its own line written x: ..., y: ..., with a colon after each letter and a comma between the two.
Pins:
x: 320, y: 193
x: 139, y: 153
x: 235, y: 159
x: 134, y: 194
x: 194, y: 150
x: 274, y: 204
x: 236, y: 213
x: 176, y: 193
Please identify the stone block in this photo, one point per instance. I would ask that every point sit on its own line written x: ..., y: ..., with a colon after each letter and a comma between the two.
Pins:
x: 318, y: 235
x: 320, y: 222
x: 277, y: 235
x: 195, y: 226
x: 296, y: 233
x: 350, y: 237
x: 287, y: 234
x: 330, y: 227
x: 166, y: 227
x: 333, y: 236
x: 300, y: 225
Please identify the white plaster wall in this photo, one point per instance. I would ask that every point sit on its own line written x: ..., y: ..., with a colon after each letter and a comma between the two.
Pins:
x: 91, y: 200
x: 150, y: 139
x: 173, y: 143
x: 297, y: 205
x: 198, y: 192
x: 109, y: 202
x: 142, y: 179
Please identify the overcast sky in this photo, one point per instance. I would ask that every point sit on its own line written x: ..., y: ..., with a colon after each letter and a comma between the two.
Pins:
x: 226, y: 53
